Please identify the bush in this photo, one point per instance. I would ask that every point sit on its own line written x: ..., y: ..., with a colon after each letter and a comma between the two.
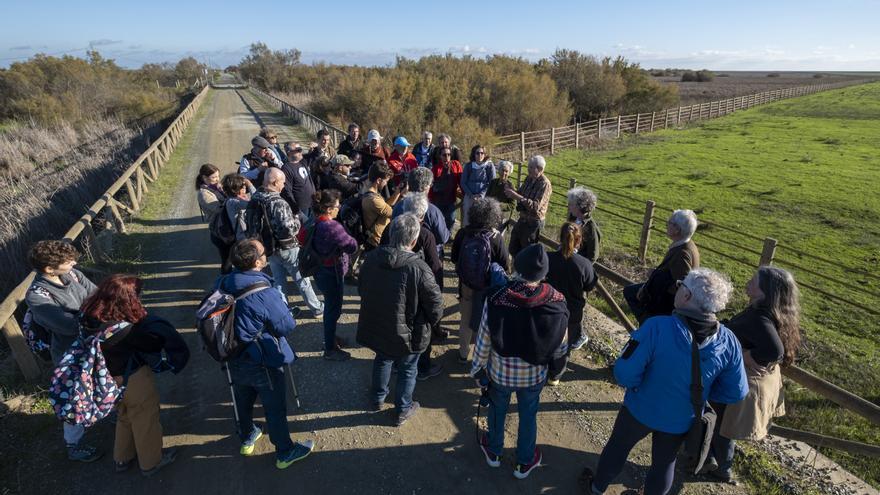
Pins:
x: 773, y: 74
x: 698, y: 76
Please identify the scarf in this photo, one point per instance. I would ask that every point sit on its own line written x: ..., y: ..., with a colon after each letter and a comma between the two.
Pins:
x: 701, y: 325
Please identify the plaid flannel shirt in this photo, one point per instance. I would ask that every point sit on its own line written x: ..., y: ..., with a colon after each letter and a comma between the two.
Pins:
x: 510, y: 372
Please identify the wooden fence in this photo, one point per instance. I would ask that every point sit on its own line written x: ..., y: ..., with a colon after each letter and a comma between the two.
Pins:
x: 517, y: 147
x: 126, y: 195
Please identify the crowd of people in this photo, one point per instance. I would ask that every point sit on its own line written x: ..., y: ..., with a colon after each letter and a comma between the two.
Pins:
x: 382, y: 219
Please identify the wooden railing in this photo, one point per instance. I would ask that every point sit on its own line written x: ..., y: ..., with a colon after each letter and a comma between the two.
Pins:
x: 126, y: 195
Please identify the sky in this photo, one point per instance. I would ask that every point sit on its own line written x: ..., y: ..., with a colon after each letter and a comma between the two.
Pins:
x: 744, y: 35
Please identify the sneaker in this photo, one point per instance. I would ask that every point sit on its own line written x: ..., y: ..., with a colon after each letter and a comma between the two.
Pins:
x: 300, y: 451
x: 247, y: 447
x: 522, y: 471
x: 491, y: 459
x: 337, y: 354
x: 552, y: 382
x: 317, y: 314
x: 122, y: 467
x: 709, y: 465
x: 295, y: 311
x: 376, y: 406
x: 168, y: 456
x: 405, y: 415
x: 580, y: 342
x: 83, y: 453
x: 724, y: 477
x: 433, y: 371
x: 340, y: 342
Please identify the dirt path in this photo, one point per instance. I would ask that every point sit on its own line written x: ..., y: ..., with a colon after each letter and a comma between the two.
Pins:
x: 357, y: 451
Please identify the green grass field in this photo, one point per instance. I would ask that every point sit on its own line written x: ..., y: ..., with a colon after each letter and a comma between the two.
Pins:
x: 804, y: 171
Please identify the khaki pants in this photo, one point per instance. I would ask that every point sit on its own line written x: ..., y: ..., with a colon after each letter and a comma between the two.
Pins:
x: 138, y: 431
x: 465, y: 332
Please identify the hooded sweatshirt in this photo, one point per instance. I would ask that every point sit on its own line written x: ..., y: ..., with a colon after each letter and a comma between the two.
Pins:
x: 55, y: 307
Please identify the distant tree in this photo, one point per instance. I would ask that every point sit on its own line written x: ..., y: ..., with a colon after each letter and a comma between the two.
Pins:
x: 698, y: 76
x: 188, y: 69
x: 267, y: 68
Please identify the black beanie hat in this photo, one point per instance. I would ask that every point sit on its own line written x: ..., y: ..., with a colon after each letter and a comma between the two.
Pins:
x: 532, y: 263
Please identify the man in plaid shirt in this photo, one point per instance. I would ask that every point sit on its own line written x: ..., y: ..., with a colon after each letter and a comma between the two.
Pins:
x: 522, y: 335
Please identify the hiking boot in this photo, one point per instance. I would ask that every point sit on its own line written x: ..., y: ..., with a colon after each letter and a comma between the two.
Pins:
x: 433, y: 371
x: 247, y: 447
x: 709, y: 465
x: 83, y: 453
x: 405, y: 415
x: 337, y: 354
x: 724, y: 477
x: 300, y: 451
x: 522, y: 471
x: 582, y: 341
x: 168, y: 456
x: 491, y: 459
x: 122, y: 467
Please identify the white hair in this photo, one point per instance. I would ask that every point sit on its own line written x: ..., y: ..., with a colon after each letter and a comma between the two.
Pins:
x: 686, y: 221
x: 539, y: 161
x: 709, y: 289
x: 416, y: 203
x: 404, y: 231
x: 583, y: 198
x: 427, y: 134
x: 504, y: 165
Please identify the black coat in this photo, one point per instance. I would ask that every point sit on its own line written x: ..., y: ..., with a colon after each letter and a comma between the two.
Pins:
x: 573, y: 277
x: 400, y: 302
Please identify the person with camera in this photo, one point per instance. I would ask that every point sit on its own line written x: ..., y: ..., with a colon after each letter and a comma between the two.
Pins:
x: 377, y: 212
x: 402, y: 162
x: 258, y: 160
x: 263, y: 321
x: 352, y: 142
x: 532, y: 200
x: 655, y: 367
x: 522, y: 338
x: 54, y: 298
x: 446, y: 188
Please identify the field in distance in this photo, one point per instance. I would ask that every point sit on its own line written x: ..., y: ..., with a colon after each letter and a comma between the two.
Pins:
x: 804, y: 171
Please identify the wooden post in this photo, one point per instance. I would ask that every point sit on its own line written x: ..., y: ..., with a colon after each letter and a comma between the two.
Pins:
x: 577, y: 136
x: 20, y: 351
x: 678, y: 120
x: 519, y: 174
x: 653, y: 116
x: 768, y: 252
x: 552, y: 140
x: 117, y: 217
x: 599, y: 128
x: 646, y: 230
x: 142, y: 184
x: 91, y: 243
x: 153, y: 168
x: 615, y: 307
x: 638, y: 121
x: 522, y: 147
x: 572, y: 182
x: 618, y: 125
x: 135, y: 204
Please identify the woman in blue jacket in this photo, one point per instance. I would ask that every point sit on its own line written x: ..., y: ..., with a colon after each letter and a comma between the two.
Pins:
x: 655, y: 368
x: 475, y: 178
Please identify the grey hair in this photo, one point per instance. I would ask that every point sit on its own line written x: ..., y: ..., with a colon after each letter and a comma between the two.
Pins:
x: 583, y: 198
x: 504, y: 165
x: 539, y: 161
x: 404, y: 231
x: 710, y: 289
x: 416, y: 203
x: 420, y: 179
x: 485, y: 213
x: 686, y: 220
x: 428, y: 133
x: 441, y: 137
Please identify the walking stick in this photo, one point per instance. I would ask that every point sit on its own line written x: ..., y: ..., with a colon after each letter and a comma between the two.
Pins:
x: 234, y: 405
x: 293, y: 385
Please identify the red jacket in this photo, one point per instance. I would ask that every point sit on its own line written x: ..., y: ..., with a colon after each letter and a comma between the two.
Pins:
x: 403, y: 165
x: 446, y: 187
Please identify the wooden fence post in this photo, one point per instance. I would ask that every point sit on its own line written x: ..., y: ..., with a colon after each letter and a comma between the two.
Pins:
x: 20, y: 351
x: 552, y: 140
x: 135, y: 204
x: 572, y: 182
x: 619, y: 118
x: 599, y: 128
x: 577, y: 136
x: 522, y: 147
x: 653, y: 116
x: 117, y: 217
x: 768, y: 252
x: 519, y: 174
x: 678, y: 120
x: 638, y: 121
x: 646, y: 230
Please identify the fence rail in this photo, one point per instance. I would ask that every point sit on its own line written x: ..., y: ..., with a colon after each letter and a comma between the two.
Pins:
x: 127, y: 195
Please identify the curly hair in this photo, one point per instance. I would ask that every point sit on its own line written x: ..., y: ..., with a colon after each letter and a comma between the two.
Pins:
x: 420, y: 180
x: 485, y: 213
x: 50, y: 254
x: 380, y: 170
x: 117, y: 298
x: 710, y: 289
x: 583, y: 198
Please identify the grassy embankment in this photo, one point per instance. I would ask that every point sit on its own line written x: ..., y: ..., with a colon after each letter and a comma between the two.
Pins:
x: 803, y: 171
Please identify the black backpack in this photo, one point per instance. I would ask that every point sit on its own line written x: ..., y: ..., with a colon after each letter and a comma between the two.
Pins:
x: 351, y: 216
x: 474, y: 260
x: 221, y: 226
x: 258, y: 227
x: 308, y: 261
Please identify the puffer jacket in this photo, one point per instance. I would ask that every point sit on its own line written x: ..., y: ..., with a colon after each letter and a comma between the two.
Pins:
x: 262, y: 318
x: 400, y: 302
x: 271, y: 220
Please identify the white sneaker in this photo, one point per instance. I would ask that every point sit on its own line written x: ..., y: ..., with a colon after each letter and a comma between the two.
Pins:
x: 581, y: 342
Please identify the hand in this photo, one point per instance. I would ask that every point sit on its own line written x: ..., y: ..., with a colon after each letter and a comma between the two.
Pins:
x: 752, y: 365
x: 264, y: 164
x: 402, y: 187
x: 479, y: 385
x: 510, y: 193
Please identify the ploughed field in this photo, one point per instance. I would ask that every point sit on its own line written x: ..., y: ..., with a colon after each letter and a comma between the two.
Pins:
x: 728, y: 84
x: 805, y: 171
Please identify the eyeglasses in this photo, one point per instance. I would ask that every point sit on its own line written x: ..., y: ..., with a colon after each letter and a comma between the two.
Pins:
x: 680, y: 283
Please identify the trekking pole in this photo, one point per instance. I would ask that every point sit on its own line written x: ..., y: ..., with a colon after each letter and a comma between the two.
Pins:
x: 293, y: 385
x: 234, y: 404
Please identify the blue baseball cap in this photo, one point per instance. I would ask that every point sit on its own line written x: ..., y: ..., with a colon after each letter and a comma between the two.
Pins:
x: 401, y: 141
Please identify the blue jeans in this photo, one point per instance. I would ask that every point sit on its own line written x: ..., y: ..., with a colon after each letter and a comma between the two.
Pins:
x: 330, y: 282
x: 627, y: 432
x: 527, y: 399
x: 723, y: 448
x: 630, y: 293
x: 406, y: 379
x: 284, y: 262
x: 448, y: 212
x: 252, y: 380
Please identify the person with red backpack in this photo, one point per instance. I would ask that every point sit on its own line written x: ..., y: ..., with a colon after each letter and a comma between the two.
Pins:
x: 474, y: 249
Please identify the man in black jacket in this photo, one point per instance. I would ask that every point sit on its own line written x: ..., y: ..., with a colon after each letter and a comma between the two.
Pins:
x: 400, y: 301
x: 298, y: 184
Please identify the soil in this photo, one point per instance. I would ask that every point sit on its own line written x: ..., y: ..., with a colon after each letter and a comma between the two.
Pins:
x: 357, y: 451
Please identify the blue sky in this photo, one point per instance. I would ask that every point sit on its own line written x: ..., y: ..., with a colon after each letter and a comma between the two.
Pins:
x: 743, y: 35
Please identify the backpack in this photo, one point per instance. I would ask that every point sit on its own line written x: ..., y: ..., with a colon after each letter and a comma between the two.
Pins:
x: 82, y: 392
x: 215, y: 322
x: 174, y: 354
x: 474, y: 259
x: 221, y: 226
x: 351, y: 216
x: 256, y: 219
x: 37, y: 337
x: 308, y: 261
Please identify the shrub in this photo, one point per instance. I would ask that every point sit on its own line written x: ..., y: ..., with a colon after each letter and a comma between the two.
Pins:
x: 698, y: 76
x: 773, y: 74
